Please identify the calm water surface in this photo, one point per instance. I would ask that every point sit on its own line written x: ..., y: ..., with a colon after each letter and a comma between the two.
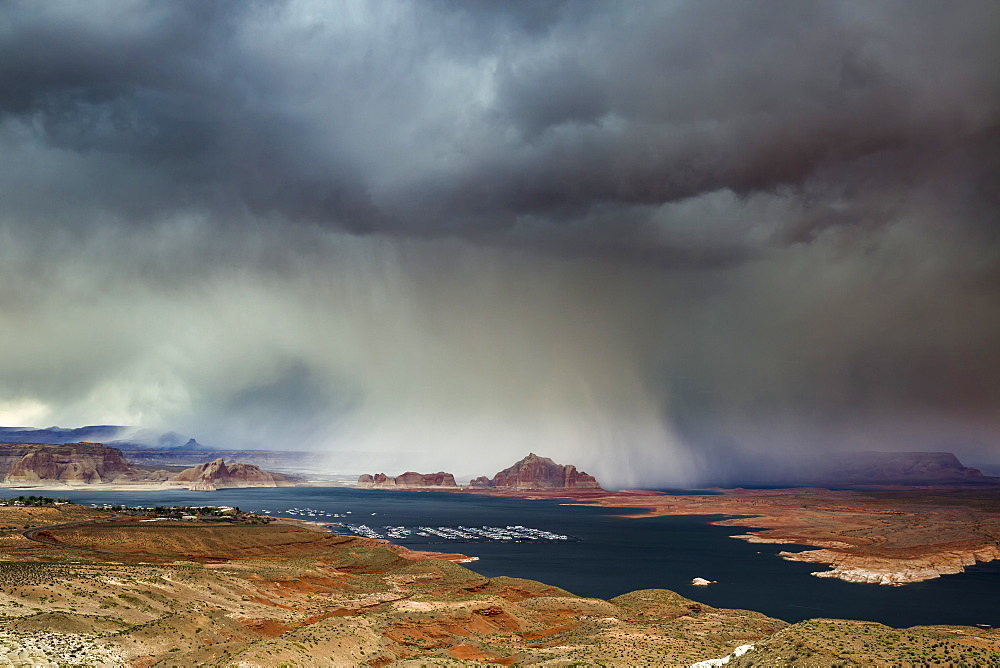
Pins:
x: 616, y: 555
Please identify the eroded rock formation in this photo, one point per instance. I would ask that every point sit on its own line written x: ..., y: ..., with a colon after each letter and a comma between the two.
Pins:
x: 217, y: 475
x: 895, y: 571
x: 83, y: 463
x: 534, y: 472
x: 408, y: 480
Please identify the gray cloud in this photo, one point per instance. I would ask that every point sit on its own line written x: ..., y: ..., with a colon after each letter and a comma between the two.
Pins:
x: 621, y: 233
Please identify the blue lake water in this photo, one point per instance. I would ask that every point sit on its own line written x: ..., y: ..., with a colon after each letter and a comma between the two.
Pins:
x: 616, y: 555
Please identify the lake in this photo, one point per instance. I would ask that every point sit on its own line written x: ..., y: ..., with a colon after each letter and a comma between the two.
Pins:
x: 615, y: 555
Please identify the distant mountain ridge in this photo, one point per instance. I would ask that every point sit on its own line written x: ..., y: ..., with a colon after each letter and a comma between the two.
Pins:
x: 868, y: 467
x: 118, y: 436
x: 94, y: 433
x: 874, y: 466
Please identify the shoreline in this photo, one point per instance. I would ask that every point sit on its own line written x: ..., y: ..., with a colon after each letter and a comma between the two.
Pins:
x: 49, y: 486
x: 888, y: 553
x: 225, y: 592
x: 861, y: 539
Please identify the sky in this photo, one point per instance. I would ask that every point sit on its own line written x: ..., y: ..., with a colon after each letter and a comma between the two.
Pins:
x: 658, y: 240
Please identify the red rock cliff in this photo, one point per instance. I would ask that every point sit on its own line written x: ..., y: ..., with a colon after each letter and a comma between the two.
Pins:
x: 408, y: 479
x: 534, y: 472
x: 216, y: 475
x: 70, y: 462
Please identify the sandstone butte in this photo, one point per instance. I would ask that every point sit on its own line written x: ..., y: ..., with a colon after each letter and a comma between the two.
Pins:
x: 97, y: 464
x: 531, y: 473
x: 90, y: 463
x: 217, y: 475
x: 535, y: 473
x: 408, y: 480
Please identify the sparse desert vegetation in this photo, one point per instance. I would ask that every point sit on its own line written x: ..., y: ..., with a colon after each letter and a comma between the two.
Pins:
x: 105, y: 590
x: 837, y: 642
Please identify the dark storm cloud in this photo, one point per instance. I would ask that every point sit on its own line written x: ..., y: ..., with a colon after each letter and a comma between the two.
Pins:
x: 659, y: 103
x: 469, y: 119
x: 166, y: 95
x: 769, y: 224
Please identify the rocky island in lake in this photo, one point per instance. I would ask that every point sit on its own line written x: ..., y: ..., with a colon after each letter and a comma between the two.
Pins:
x: 216, y: 474
x: 534, y: 472
x: 531, y: 473
x: 408, y: 480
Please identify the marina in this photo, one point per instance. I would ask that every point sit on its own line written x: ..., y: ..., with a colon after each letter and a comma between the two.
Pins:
x: 460, y: 534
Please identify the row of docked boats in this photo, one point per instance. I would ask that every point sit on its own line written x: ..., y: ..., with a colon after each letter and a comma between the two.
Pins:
x: 461, y: 533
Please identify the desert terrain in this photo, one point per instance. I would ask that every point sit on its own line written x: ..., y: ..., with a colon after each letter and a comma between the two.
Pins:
x: 83, y: 586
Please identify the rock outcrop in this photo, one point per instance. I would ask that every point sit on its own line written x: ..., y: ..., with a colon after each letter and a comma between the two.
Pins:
x: 891, y: 571
x: 80, y: 463
x: 217, y: 475
x: 534, y: 472
x: 96, y: 463
x: 408, y: 480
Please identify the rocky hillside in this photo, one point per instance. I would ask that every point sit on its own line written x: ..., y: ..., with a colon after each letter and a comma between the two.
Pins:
x: 261, y: 595
x: 534, y: 472
x: 85, y: 463
x: 408, y: 480
x: 217, y: 475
